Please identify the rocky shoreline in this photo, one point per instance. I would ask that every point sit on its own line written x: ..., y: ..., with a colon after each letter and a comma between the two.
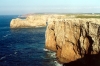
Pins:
x: 76, y: 41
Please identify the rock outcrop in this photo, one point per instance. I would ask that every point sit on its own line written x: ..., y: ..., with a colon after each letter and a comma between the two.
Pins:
x: 30, y: 21
x: 74, y: 38
x: 33, y: 21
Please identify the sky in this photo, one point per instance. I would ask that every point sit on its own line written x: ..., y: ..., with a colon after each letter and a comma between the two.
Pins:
x: 20, y: 7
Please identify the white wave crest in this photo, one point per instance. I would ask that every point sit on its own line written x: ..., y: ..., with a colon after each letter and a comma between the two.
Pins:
x: 46, y: 49
x: 53, y: 55
x: 6, y: 35
x: 2, y: 57
x: 15, y: 53
x: 58, y: 64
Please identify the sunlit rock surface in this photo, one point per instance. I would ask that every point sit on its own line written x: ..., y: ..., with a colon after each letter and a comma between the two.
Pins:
x: 73, y: 38
x: 33, y: 21
x: 30, y: 21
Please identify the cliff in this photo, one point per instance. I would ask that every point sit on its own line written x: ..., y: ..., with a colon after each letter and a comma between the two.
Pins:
x: 33, y: 21
x: 30, y: 21
x: 73, y: 39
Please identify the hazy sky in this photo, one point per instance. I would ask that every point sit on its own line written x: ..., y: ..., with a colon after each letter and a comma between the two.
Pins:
x: 19, y: 7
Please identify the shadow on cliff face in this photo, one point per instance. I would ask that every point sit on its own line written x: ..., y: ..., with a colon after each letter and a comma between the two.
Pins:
x: 88, y: 59
x: 90, y: 46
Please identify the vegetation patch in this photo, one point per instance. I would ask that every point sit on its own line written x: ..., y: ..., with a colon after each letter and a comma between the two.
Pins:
x: 82, y: 16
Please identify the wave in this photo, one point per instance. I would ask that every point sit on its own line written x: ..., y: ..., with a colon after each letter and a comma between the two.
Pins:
x: 6, y: 35
x: 2, y: 57
x: 53, y: 54
x: 58, y: 64
x: 4, y: 27
x: 46, y: 49
x: 15, y: 53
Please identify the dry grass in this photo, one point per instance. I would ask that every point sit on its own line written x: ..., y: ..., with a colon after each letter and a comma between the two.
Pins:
x: 83, y: 16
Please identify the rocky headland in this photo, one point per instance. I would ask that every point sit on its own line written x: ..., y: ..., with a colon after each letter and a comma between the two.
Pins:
x: 33, y: 21
x: 74, y: 39
x: 30, y: 21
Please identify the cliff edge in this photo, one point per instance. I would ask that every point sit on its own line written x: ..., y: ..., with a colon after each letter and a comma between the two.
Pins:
x: 33, y: 21
x: 30, y: 21
x: 73, y: 38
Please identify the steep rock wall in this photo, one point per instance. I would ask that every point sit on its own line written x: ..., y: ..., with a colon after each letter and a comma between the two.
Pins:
x: 74, y: 38
x: 33, y: 21
x: 30, y: 21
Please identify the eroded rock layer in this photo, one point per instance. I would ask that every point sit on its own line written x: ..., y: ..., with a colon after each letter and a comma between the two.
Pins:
x: 33, y: 21
x: 30, y: 21
x: 74, y: 38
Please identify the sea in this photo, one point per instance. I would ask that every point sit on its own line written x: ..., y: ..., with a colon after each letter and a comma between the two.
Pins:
x: 24, y: 46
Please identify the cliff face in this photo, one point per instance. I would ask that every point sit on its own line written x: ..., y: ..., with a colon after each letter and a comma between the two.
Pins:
x: 72, y: 39
x: 33, y: 21
x: 30, y: 21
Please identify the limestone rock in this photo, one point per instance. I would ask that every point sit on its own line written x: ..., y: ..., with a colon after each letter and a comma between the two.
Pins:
x: 73, y: 38
x: 30, y: 21
x: 33, y: 21
x: 50, y: 43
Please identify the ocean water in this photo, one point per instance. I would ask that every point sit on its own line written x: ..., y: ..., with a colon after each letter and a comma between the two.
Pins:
x: 23, y: 47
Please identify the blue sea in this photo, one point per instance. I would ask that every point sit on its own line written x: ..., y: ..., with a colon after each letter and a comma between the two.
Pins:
x: 23, y: 47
